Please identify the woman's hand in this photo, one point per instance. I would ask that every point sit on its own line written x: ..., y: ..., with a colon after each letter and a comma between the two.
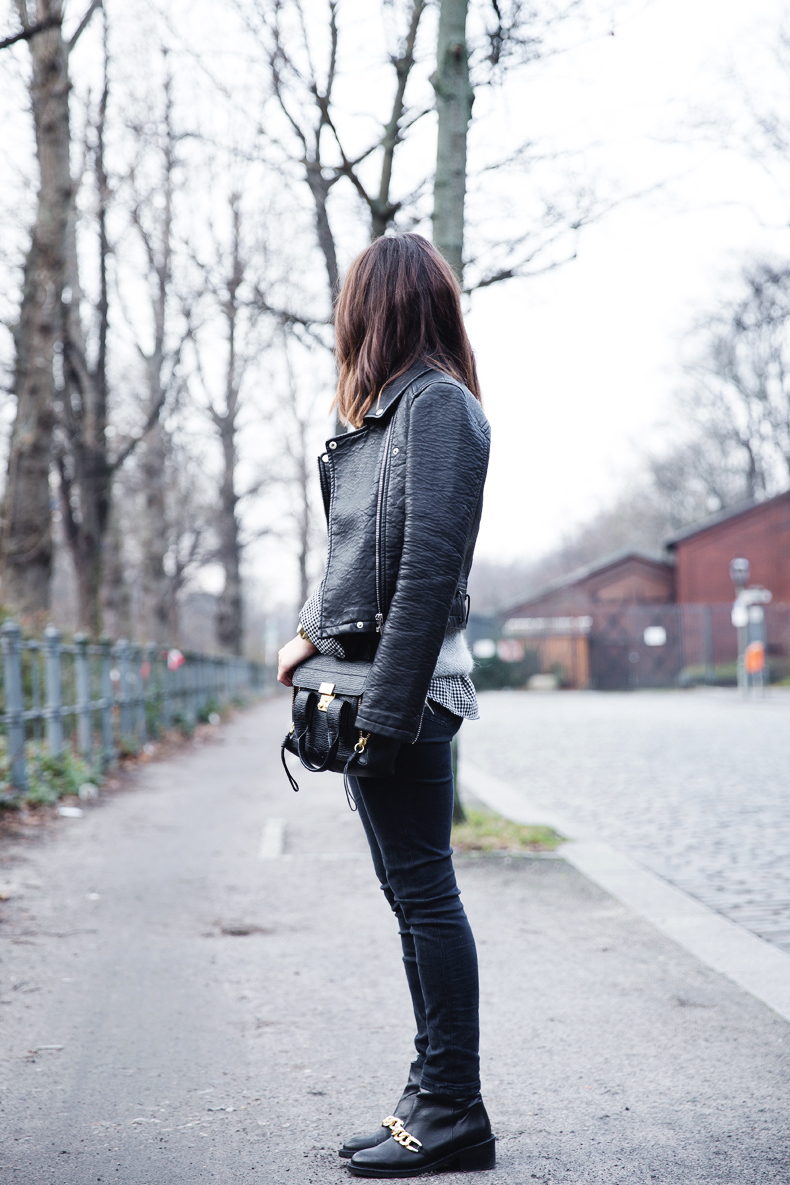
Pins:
x: 293, y: 652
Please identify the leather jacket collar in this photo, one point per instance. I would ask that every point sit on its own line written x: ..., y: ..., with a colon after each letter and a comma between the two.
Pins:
x: 393, y: 391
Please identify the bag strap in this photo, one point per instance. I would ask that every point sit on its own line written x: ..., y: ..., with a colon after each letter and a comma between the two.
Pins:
x: 288, y: 774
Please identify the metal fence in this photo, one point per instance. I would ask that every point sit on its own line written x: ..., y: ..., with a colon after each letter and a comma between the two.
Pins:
x: 694, y: 644
x: 103, y: 699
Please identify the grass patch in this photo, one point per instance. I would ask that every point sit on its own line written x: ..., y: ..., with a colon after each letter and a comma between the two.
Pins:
x: 48, y: 778
x: 485, y: 831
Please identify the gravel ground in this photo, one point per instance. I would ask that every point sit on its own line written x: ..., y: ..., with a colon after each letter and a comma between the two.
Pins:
x: 177, y: 1011
x: 693, y: 784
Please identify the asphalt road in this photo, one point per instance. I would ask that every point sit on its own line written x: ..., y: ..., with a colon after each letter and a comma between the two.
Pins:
x: 177, y: 1010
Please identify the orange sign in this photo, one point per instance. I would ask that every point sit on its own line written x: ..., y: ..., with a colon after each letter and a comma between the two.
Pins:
x: 754, y: 657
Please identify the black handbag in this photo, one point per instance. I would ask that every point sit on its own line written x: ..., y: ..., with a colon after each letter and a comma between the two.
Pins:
x: 327, y: 693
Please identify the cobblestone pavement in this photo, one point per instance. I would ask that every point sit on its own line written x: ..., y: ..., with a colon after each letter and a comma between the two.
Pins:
x: 693, y: 784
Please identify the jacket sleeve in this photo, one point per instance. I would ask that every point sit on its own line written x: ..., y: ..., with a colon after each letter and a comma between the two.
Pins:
x: 310, y: 619
x: 446, y: 463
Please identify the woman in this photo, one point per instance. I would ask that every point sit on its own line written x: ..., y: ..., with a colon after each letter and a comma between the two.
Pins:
x: 403, y: 496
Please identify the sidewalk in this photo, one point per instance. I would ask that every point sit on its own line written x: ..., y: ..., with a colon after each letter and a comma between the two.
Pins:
x: 200, y: 1014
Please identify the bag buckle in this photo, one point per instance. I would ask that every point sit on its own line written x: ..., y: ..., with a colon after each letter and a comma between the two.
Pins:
x: 326, y: 691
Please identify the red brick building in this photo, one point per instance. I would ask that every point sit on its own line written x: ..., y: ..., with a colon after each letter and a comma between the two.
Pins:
x: 634, y: 619
x: 582, y: 625
x: 758, y: 531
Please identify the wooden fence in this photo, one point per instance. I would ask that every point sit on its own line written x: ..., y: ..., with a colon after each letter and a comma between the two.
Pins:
x: 108, y: 697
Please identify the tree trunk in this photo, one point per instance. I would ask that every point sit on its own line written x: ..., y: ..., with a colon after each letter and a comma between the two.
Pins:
x: 230, y: 608
x: 303, y: 516
x: 26, y: 545
x: 85, y: 470
x: 229, y: 623
x: 159, y: 587
x: 454, y: 98
x: 159, y: 609
x: 117, y: 600
x: 382, y: 208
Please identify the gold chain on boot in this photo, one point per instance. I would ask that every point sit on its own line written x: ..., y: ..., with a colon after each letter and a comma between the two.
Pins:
x: 400, y: 1134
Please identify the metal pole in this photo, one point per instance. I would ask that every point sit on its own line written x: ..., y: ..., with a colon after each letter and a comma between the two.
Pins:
x: 82, y: 688
x: 35, y: 687
x: 707, y: 644
x: 12, y: 682
x: 53, y: 690
x: 167, y: 679
x: 139, y: 684
x: 151, y: 692
x: 108, y: 744
x: 125, y: 699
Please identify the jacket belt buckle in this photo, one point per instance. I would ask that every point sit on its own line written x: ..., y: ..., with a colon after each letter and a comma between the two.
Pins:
x: 325, y: 690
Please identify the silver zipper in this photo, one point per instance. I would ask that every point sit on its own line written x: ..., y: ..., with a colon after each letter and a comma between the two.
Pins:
x: 422, y: 717
x: 379, y: 514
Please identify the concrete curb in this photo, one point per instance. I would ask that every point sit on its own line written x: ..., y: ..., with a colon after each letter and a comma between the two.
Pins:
x: 761, y: 969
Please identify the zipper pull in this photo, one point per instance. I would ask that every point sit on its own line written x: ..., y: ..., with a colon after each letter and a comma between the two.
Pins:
x: 379, y: 622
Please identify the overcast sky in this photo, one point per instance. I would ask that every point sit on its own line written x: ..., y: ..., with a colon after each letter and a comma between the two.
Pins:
x: 578, y: 367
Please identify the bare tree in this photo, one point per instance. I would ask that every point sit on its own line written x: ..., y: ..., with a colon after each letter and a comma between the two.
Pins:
x: 299, y: 451
x: 305, y: 97
x: 223, y: 280
x: 506, y: 35
x: 737, y: 389
x: 454, y: 98
x: 26, y: 542
x: 84, y: 466
x: 151, y: 193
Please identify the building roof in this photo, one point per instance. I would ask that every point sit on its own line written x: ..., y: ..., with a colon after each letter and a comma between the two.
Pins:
x: 721, y: 516
x: 592, y: 569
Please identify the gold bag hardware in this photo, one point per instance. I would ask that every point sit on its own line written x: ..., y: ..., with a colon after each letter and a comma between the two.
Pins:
x: 325, y: 690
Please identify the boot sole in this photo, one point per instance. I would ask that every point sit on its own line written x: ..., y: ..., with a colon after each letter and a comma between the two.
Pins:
x: 477, y: 1159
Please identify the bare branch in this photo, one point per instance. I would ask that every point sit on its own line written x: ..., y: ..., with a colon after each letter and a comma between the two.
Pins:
x: 31, y: 31
x: 82, y: 26
x: 132, y: 444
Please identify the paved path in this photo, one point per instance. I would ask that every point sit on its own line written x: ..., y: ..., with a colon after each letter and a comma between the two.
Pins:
x: 176, y: 1010
x: 695, y: 785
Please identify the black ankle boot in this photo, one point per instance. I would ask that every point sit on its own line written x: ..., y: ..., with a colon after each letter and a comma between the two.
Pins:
x: 441, y: 1132
x: 402, y: 1111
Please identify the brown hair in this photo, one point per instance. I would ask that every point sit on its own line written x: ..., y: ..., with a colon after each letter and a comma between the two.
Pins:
x: 400, y: 304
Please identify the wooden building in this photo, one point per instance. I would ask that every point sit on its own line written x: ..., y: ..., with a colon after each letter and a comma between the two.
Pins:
x: 576, y: 624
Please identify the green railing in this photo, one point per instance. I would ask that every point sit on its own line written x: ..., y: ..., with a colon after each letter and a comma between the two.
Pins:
x: 102, y: 699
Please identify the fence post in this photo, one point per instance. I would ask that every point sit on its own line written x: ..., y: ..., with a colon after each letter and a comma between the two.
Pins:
x: 707, y: 644
x: 127, y: 729
x: 35, y: 687
x: 53, y: 691
x: 108, y: 746
x: 12, y: 681
x: 139, y: 662
x: 166, y: 687
x: 193, y: 683
x: 82, y: 688
x: 151, y: 692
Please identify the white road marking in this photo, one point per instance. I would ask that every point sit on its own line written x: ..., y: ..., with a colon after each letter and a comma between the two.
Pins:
x: 272, y: 840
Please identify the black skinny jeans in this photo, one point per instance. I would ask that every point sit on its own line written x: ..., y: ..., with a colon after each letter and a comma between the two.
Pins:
x: 407, y: 819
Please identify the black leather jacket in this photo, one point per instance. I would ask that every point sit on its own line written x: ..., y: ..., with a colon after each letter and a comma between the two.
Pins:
x: 403, y: 497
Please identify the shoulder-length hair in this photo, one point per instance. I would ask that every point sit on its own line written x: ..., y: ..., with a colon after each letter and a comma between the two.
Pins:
x: 400, y: 304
